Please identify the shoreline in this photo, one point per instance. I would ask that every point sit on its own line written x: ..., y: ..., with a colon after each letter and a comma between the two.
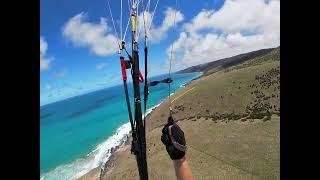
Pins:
x: 101, y: 154
x: 126, y: 144
x: 106, y: 154
x: 105, y: 167
x: 229, y: 129
x: 93, y: 159
x: 108, y: 164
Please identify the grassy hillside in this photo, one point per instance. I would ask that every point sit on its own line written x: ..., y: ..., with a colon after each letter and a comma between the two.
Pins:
x: 249, y: 89
x: 227, y: 62
x: 231, y: 122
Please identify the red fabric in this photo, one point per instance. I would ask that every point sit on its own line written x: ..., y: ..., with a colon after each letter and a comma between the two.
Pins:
x: 140, y: 77
x: 123, y: 68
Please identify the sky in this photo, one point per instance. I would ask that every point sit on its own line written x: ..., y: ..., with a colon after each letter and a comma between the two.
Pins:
x: 78, y: 43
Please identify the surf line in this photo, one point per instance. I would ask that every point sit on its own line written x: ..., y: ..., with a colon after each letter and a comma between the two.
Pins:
x: 182, y: 95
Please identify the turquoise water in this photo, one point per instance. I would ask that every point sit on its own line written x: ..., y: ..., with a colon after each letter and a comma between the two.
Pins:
x: 76, y: 133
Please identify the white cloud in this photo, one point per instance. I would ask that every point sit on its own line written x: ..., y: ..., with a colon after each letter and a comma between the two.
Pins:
x: 258, y: 17
x: 239, y: 15
x: 156, y: 34
x: 43, y: 46
x: 101, y: 66
x: 47, y: 87
x: 44, y: 61
x: 60, y: 74
x: 97, y: 37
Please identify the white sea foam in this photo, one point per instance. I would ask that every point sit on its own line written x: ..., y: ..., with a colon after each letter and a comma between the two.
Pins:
x: 148, y: 111
x: 183, y: 85
x: 95, y: 158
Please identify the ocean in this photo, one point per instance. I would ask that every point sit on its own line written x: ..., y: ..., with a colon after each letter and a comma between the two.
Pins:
x: 76, y: 133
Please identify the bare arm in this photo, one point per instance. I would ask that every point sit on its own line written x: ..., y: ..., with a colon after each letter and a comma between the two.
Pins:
x: 183, y: 171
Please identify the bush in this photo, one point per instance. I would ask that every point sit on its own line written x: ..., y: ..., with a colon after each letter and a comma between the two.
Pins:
x: 243, y: 120
x: 268, y: 118
x: 256, y: 115
x: 237, y: 117
x: 213, y: 117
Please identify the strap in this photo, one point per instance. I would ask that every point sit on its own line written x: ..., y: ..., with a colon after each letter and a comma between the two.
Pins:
x: 125, y: 86
x: 153, y: 83
x: 123, y: 68
x: 177, y: 145
x: 141, y: 80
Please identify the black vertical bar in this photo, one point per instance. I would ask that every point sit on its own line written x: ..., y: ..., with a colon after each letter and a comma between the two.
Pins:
x: 140, y: 143
x: 142, y: 158
x: 146, y: 90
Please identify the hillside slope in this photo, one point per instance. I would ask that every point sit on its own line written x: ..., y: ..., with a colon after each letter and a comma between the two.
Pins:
x: 231, y: 123
x: 227, y: 62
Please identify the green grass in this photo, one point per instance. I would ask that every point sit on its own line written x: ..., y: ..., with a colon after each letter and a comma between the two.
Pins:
x: 231, y: 123
x: 220, y: 93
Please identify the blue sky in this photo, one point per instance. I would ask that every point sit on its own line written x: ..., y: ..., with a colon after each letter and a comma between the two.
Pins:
x: 76, y: 58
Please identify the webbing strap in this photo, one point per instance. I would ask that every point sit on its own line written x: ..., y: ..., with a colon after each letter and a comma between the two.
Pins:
x: 125, y: 86
x: 123, y: 68
x: 141, y: 80
x: 153, y: 83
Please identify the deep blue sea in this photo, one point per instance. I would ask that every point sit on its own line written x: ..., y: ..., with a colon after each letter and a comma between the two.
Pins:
x: 76, y: 133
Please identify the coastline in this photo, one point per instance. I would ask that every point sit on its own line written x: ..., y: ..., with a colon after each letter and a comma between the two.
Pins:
x: 93, y: 159
x: 104, y: 154
x: 102, y: 170
x: 210, y: 113
x: 110, y: 162
x: 126, y: 144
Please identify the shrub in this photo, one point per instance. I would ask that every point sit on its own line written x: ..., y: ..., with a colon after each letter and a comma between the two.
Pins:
x: 268, y: 118
x: 243, y: 120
